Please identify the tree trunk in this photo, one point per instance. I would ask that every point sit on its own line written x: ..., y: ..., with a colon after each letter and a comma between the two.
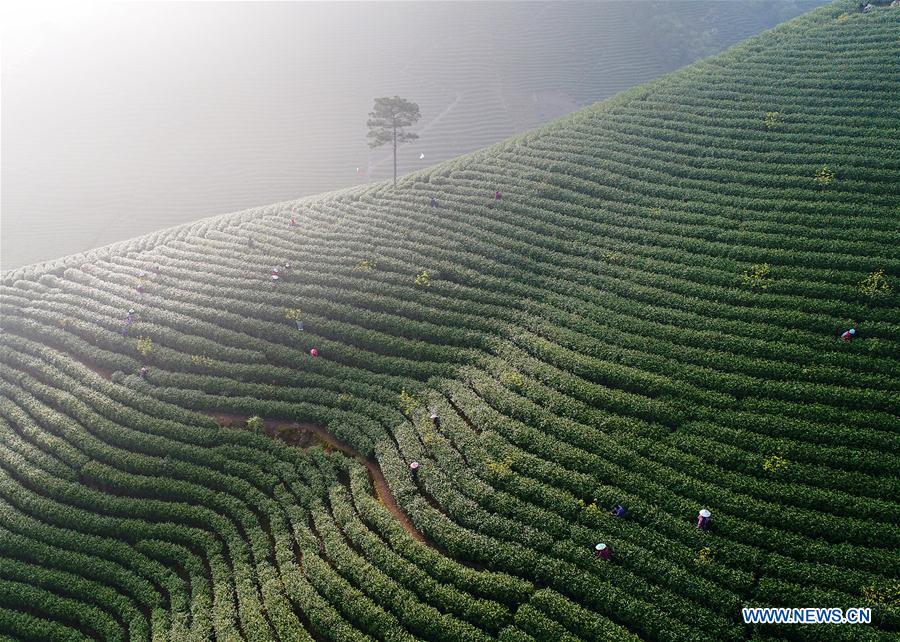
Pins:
x: 395, y: 154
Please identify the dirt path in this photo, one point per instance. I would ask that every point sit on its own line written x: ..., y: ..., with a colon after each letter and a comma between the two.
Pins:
x: 307, y: 435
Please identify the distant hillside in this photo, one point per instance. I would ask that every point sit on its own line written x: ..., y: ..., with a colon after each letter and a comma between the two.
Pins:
x: 637, y: 305
x: 141, y: 116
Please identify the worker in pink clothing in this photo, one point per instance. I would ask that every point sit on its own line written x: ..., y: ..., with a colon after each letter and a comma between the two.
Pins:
x: 849, y: 335
x: 498, y: 196
x: 703, y: 518
x: 314, y: 353
x: 602, y: 552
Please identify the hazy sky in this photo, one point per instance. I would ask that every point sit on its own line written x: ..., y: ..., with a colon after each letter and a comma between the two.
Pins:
x: 120, y: 119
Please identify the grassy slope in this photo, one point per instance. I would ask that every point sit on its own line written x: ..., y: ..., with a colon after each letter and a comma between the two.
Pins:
x: 588, y: 340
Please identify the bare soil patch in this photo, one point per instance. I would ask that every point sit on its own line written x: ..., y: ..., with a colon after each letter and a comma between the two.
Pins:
x: 308, y: 435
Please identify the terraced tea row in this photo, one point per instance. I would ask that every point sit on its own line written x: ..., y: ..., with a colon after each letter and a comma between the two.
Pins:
x: 635, y: 306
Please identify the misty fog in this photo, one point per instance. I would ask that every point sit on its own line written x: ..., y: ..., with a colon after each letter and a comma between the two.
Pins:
x: 126, y: 118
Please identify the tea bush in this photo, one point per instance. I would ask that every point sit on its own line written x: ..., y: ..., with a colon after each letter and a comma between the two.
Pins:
x: 609, y: 333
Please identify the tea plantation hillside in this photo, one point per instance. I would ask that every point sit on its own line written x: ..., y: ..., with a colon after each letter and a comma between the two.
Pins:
x: 646, y: 316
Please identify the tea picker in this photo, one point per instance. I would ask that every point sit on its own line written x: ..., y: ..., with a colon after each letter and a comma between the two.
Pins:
x: 602, y: 551
x: 703, y: 518
x: 434, y: 202
x: 498, y: 196
x: 300, y: 325
x: 435, y: 419
x: 129, y: 319
x: 618, y: 511
x: 413, y: 469
x: 313, y: 352
x: 849, y: 335
x: 143, y: 372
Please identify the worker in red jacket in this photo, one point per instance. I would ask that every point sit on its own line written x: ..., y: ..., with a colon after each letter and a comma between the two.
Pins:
x: 849, y: 335
x: 602, y: 552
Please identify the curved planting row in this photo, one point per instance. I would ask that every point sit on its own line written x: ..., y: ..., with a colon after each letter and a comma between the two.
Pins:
x: 637, y: 306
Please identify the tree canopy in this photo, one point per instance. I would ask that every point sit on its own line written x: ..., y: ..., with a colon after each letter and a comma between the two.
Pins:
x: 391, y: 115
x: 387, y: 122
